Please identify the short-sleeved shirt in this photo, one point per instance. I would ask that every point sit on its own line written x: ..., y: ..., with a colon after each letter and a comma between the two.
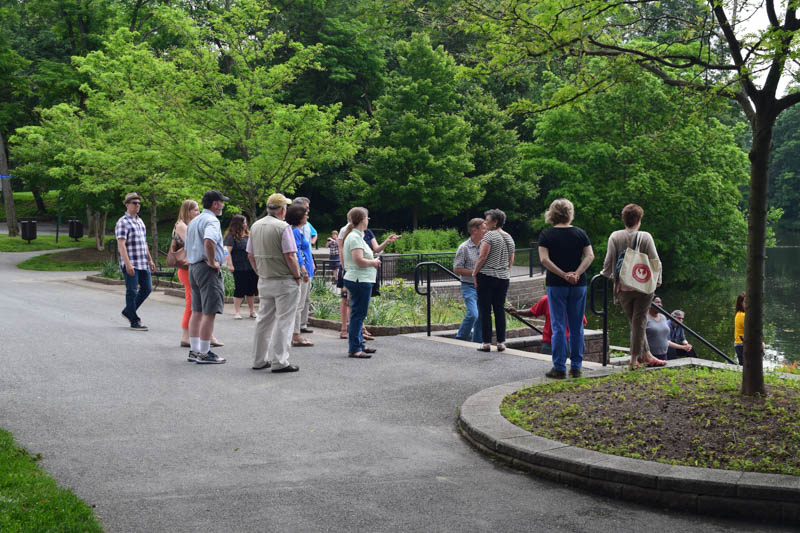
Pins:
x: 204, y: 226
x: 304, y: 257
x: 738, y: 328
x: 657, y: 332
x: 353, y: 241
x: 238, y: 251
x: 676, y: 333
x: 133, y: 230
x: 466, y: 257
x: 502, y: 247
x: 308, y: 231
x: 333, y: 248
x: 288, y: 243
x: 565, y: 246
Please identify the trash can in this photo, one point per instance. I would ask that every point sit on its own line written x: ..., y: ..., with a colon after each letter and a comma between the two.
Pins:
x: 75, y: 229
x: 28, y: 226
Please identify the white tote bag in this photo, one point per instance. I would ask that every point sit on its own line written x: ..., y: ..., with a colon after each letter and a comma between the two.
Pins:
x: 638, y: 271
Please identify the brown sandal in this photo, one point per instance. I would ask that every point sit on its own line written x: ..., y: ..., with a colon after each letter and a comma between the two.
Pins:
x: 304, y: 342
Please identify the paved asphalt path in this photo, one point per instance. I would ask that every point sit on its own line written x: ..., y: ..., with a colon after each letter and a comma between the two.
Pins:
x: 159, y: 444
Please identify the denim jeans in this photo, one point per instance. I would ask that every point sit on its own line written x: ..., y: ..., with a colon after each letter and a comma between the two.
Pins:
x: 360, y: 293
x: 137, y: 289
x: 471, y: 325
x: 492, y: 296
x: 567, y: 301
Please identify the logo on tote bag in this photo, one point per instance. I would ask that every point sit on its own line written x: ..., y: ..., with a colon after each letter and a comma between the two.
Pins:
x: 641, y: 273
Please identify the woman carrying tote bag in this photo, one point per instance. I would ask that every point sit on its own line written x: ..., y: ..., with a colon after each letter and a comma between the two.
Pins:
x: 634, y: 303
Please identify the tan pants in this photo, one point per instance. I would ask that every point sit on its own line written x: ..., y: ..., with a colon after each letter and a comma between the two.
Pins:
x: 275, y: 322
x: 305, y: 287
x: 635, y: 304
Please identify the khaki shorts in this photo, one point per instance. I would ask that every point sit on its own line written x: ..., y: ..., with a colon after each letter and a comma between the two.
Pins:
x: 208, y: 290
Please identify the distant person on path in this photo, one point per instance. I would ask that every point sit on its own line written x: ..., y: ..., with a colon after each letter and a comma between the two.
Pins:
x: 542, y: 309
x: 189, y: 209
x: 205, y: 254
x: 466, y: 257
x: 657, y: 333
x: 360, y: 267
x: 333, y: 254
x: 678, y: 336
x: 635, y: 304
x: 245, y: 280
x: 134, y: 259
x: 296, y: 217
x: 492, y: 275
x: 566, y: 252
x: 311, y: 236
x: 272, y: 251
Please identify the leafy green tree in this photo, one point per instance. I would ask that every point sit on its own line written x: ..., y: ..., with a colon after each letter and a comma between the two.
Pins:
x: 712, y: 54
x: 217, y: 110
x: 784, y: 170
x: 639, y: 142
x: 11, y: 71
x: 420, y: 160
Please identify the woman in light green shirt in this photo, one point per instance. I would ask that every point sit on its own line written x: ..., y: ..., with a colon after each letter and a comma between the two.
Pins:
x: 360, y: 272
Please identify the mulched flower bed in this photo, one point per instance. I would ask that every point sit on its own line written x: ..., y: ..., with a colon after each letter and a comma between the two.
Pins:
x: 687, y: 416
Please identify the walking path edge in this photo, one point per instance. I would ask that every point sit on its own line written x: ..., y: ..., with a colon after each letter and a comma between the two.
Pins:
x: 744, y: 495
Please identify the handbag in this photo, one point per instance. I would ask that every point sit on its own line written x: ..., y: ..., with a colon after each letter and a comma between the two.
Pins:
x: 638, y: 271
x: 176, y: 257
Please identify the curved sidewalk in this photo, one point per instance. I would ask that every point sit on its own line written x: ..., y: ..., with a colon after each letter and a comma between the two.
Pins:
x: 745, y: 495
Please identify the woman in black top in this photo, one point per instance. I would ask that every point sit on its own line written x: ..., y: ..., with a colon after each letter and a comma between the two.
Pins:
x: 566, y: 253
x: 244, y: 277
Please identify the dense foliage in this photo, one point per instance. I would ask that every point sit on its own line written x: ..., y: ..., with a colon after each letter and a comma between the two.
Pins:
x: 391, y: 105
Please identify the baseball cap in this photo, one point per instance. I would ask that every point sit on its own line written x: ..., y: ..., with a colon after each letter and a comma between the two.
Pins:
x: 277, y: 200
x: 214, y: 196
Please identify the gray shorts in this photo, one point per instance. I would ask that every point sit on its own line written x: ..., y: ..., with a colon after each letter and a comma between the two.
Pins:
x: 208, y: 290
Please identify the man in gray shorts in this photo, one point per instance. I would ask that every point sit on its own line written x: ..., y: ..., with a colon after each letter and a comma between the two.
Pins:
x: 205, y: 254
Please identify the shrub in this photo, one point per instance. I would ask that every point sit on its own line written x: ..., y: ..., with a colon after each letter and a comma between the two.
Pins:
x: 427, y: 240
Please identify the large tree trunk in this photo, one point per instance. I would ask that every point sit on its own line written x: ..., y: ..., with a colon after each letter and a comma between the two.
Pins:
x: 753, y: 372
x: 91, y: 225
x: 154, y: 224
x: 8, y: 194
x: 99, y: 228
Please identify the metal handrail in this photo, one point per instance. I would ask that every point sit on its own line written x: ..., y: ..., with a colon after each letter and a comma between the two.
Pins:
x: 603, y: 313
x: 690, y: 330
x: 427, y: 294
x: 534, y: 328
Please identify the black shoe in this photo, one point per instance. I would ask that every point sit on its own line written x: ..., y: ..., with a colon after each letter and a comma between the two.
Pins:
x: 138, y: 326
x: 266, y: 365
x: 556, y: 374
x: 192, y: 358
x: 209, y: 358
x: 290, y: 368
x: 123, y: 313
x: 575, y: 372
x: 306, y: 330
x: 369, y: 350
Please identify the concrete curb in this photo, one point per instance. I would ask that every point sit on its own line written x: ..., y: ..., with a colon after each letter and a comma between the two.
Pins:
x: 744, y: 495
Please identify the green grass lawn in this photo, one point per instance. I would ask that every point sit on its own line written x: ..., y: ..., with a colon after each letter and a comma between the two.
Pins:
x: 42, y: 242
x: 26, y: 205
x: 49, y: 262
x: 30, y: 500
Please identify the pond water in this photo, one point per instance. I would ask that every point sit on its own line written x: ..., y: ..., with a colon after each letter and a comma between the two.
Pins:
x: 709, y: 310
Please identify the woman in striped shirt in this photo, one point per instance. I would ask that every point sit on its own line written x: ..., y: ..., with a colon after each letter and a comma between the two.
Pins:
x: 492, y: 273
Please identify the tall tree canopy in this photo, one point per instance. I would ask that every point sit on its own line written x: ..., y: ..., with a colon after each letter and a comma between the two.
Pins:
x: 709, y: 52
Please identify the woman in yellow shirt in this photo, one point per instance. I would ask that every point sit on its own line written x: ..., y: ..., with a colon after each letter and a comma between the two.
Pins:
x: 738, y: 328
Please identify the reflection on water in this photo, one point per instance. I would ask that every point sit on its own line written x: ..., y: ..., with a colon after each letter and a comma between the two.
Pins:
x: 709, y: 310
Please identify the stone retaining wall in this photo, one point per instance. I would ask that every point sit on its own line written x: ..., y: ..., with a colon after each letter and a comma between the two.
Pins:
x: 593, y: 344
x: 522, y: 292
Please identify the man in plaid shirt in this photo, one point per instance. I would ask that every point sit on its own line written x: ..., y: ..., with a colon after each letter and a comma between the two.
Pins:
x: 134, y: 259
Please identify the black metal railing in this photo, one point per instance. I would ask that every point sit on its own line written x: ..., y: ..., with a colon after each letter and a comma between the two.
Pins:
x: 692, y: 332
x: 534, y: 328
x: 603, y: 313
x: 401, y: 266
x: 428, y: 265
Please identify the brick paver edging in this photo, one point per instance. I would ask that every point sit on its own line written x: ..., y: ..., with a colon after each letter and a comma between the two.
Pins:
x: 748, y: 495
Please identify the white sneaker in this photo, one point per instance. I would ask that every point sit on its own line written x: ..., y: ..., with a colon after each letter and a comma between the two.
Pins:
x: 237, y: 316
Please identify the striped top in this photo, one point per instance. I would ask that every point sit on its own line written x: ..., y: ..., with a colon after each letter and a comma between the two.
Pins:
x: 501, y: 249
